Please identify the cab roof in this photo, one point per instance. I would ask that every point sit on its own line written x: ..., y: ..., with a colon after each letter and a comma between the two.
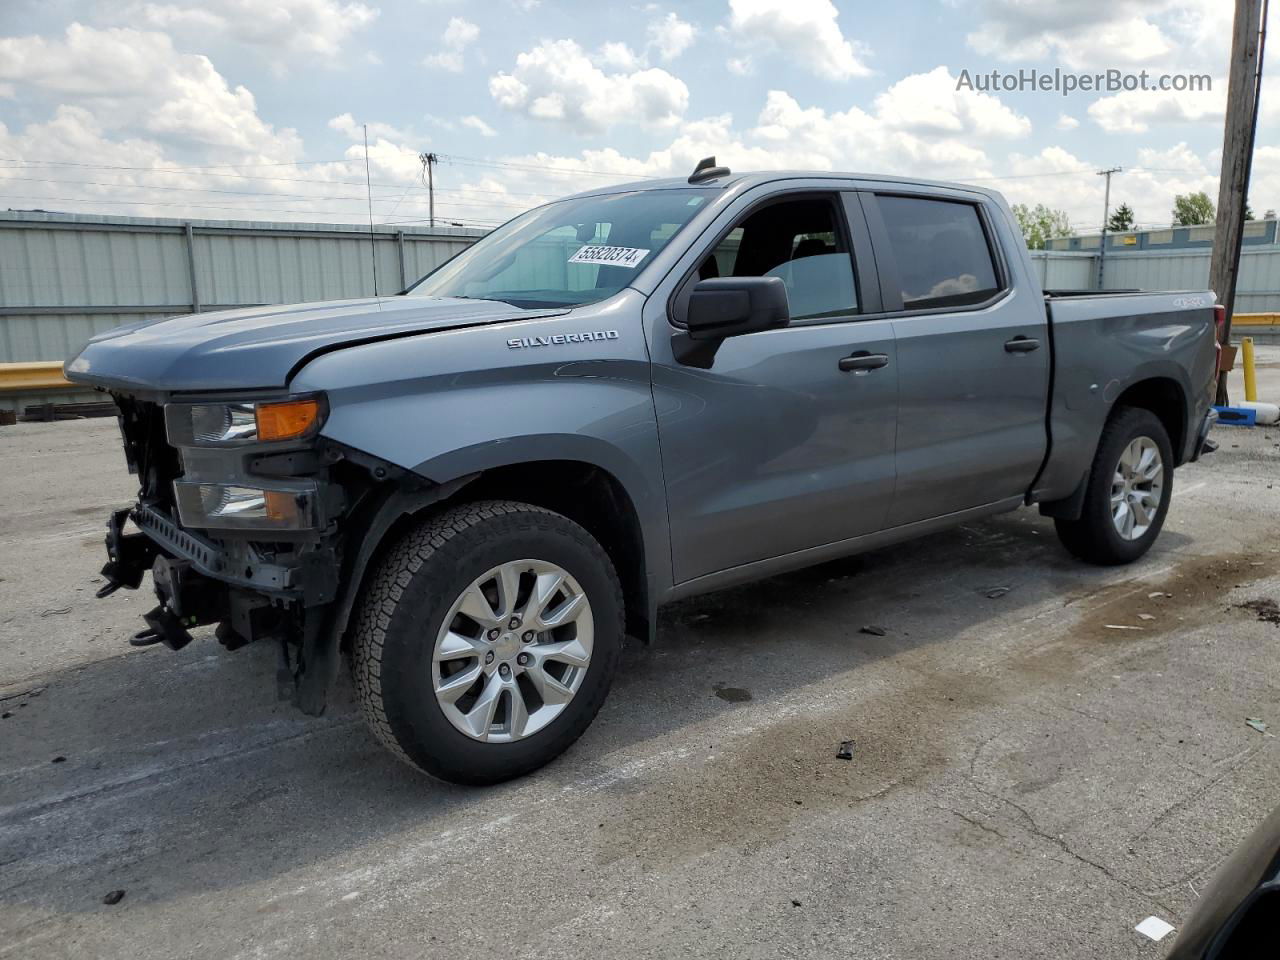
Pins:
x: 745, y: 181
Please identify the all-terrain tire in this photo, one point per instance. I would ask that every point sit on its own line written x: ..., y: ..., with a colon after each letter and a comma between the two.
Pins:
x: 1093, y: 536
x: 403, y: 608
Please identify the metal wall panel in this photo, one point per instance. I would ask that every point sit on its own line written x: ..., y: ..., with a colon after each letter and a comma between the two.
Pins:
x: 1065, y: 271
x: 92, y: 262
x: 77, y: 274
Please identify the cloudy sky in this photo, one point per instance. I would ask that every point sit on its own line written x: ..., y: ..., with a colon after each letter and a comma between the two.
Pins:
x: 242, y: 109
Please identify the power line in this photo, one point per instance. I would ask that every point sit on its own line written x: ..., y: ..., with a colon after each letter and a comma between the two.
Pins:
x: 209, y: 172
x: 259, y: 193
x: 477, y: 162
x: 202, y: 206
x: 211, y: 166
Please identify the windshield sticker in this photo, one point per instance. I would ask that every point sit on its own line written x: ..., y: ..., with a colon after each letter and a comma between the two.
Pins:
x: 628, y: 257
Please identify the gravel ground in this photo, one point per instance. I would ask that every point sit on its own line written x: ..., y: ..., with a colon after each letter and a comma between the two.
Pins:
x: 1027, y: 780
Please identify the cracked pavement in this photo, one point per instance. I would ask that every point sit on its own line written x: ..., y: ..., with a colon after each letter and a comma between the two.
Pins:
x: 1027, y: 780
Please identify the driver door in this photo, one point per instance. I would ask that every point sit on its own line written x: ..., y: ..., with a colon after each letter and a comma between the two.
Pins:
x: 780, y: 446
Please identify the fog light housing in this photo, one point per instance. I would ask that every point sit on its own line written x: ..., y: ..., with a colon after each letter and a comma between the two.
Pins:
x: 236, y: 506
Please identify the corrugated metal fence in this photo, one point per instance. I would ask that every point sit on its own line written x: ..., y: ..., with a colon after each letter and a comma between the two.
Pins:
x: 65, y: 277
x: 1257, y: 289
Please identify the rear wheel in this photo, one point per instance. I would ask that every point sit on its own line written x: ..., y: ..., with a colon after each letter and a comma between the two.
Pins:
x: 1128, y: 491
x: 487, y: 641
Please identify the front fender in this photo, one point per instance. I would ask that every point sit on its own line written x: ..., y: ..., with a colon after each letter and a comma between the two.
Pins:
x: 455, y: 403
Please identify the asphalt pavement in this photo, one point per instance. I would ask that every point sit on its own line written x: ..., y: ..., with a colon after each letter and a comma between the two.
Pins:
x: 1044, y: 754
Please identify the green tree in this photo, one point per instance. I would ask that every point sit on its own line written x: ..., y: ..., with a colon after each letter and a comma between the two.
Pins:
x: 1248, y: 211
x: 1122, y: 220
x: 1040, y: 224
x: 1192, y: 209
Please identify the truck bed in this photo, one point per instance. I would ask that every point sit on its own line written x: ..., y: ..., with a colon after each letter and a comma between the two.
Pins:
x: 1103, y: 344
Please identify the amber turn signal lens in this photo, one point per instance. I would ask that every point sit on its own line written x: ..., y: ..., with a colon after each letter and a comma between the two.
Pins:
x: 287, y: 420
x: 282, y: 507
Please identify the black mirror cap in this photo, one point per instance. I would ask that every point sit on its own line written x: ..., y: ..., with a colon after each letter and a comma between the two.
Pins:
x: 731, y: 306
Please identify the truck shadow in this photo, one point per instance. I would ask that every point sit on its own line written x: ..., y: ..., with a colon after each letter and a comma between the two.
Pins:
x: 182, y: 777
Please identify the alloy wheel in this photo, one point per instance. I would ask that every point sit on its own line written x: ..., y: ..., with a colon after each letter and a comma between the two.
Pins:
x: 1137, y: 488
x: 513, y: 651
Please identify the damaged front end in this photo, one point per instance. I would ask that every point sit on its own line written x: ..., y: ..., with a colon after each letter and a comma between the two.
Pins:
x: 237, y: 520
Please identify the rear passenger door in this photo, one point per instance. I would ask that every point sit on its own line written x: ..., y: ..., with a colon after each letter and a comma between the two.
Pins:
x: 973, y: 354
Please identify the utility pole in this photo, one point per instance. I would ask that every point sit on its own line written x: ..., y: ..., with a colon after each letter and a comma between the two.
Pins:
x: 1106, y: 214
x: 1244, y: 82
x: 368, y: 187
x: 429, y: 160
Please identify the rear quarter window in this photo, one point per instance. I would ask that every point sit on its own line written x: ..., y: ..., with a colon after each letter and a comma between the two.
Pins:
x: 942, y: 252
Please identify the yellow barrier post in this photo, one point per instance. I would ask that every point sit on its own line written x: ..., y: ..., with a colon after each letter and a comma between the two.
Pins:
x: 1250, y: 379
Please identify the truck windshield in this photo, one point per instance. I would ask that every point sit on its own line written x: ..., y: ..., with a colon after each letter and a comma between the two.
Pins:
x: 569, y: 252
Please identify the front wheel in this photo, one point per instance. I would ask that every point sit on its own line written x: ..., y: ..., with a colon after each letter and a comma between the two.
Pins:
x: 1128, y: 491
x: 487, y: 641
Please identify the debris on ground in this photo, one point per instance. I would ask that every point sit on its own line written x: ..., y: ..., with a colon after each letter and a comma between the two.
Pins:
x: 1154, y: 928
x: 795, y: 903
x: 1122, y: 626
x: 1158, y: 595
x: 114, y: 897
x: 733, y: 694
x: 1268, y: 610
x: 59, y: 759
x: 1257, y: 724
x: 872, y: 629
x: 1146, y: 616
x: 846, y: 750
x: 56, y: 612
x: 996, y: 593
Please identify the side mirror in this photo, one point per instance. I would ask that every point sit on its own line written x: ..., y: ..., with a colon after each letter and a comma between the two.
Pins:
x: 731, y: 306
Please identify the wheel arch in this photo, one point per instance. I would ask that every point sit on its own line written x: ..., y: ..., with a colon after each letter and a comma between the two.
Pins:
x: 1167, y: 400
x: 596, y: 500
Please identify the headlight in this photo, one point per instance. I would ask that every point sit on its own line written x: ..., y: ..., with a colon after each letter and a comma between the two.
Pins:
x: 242, y: 507
x: 239, y: 423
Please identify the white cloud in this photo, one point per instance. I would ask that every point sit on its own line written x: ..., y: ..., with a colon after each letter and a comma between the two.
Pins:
x: 617, y: 56
x: 740, y: 66
x: 136, y: 80
x: 457, y: 36
x: 478, y: 125
x: 1135, y: 111
x: 804, y: 31
x: 346, y: 125
x: 1063, y: 180
x: 930, y: 104
x: 300, y: 26
x: 1103, y: 33
x: 670, y: 36
x: 557, y: 81
x: 1066, y: 122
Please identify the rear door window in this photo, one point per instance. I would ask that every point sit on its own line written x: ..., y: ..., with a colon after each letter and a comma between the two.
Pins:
x: 942, y: 252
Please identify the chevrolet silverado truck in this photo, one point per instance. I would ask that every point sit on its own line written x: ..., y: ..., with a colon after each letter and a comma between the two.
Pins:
x: 470, y: 492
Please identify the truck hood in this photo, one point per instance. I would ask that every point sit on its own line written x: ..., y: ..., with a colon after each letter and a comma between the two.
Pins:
x: 262, y: 346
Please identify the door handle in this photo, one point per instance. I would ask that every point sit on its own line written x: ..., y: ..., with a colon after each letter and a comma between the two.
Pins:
x: 1021, y: 345
x: 863, y: 362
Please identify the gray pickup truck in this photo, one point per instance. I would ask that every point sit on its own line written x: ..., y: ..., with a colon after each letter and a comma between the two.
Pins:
x: 473, y: 490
